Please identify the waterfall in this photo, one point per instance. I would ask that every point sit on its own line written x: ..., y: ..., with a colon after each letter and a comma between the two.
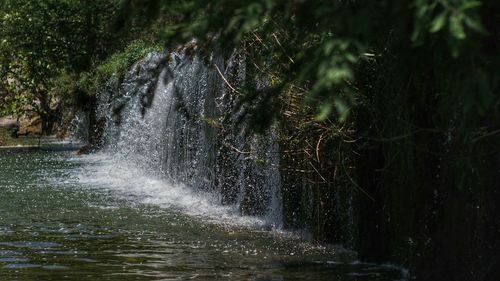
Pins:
x: 175, y: 116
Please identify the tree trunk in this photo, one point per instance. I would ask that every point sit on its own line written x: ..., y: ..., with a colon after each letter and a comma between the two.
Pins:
x: 47, y: 115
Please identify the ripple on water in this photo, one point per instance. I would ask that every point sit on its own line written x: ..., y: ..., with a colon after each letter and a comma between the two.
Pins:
x: 63, y: 253
x: 12, y: 259
x: 6, y: 232
x: 8, y: 253
x: 30, y: 244
x: 86, y: 260
x: 21, y: 266
x: 55, y: 267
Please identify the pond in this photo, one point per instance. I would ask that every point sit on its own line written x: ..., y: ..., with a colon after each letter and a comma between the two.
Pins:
x: 69, y: 217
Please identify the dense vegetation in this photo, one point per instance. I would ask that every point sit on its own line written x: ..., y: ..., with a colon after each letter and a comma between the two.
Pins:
x: 401, y: 97
x: 322, y: 49
x: 49, y: 49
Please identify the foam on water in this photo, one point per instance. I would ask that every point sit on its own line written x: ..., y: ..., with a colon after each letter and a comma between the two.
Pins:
x: 101, y: 171
x: 171, y: 138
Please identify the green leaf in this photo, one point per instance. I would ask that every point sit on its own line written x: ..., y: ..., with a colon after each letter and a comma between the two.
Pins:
x: 456, y: 27
x: 470, y: 5
x: 438, y: 23
x: 342, y: 109
x: 324, y: 112
x: 475, y: 25
x: 422, y: 10
x: 416, y: 34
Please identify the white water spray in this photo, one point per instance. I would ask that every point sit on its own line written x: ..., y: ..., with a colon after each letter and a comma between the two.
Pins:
x: 170, y: 135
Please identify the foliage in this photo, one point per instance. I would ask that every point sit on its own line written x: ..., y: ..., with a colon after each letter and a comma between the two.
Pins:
x: 117, y: 64
x: 318, y: 45
x: 392, y: 60
x: 42, y: 40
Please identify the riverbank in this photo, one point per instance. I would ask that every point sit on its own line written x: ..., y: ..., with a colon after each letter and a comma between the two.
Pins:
x: 30, y: 142
x: 15, y: 132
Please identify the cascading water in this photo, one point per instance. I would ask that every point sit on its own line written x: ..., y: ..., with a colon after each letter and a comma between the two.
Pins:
x: 174, y: 118
x: 172, y: 143
x: 78, y: 130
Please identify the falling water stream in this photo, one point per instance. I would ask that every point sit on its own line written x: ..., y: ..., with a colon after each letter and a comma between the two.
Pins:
x: 179, y: 191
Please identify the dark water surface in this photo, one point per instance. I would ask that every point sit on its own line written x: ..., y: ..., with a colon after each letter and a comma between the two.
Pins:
x: 64, y: 217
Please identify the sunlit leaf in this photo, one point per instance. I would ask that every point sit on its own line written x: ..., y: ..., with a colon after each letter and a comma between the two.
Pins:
x: 456, y: 27
x: 438, y: 23
x: 324, y: 111
x: 467, y: 5
x: 342, y: 109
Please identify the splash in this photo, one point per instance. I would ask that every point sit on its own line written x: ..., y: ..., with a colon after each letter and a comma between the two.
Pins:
x: 172, y: 134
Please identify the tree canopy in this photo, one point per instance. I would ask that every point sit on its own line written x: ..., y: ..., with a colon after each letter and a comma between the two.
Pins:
x: 323, y: 49
x: 320, y: 44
